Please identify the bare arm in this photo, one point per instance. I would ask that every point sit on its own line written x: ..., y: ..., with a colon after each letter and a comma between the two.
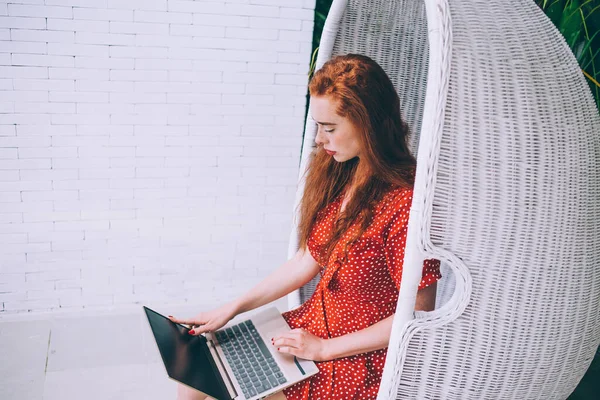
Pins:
x: 292, y: 275
x: 375, y: 337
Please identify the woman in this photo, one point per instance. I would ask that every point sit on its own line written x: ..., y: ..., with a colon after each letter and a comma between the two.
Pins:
x: 353, y: 223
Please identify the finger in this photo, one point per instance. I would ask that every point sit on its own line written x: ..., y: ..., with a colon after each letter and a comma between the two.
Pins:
x: 183, y: 321
x: 199, y: 330
x: 289, y: 335
x: 290, y: 342
x: 289, y: 350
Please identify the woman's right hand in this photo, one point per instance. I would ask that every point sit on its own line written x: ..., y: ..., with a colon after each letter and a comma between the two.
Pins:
x: 208, y: 321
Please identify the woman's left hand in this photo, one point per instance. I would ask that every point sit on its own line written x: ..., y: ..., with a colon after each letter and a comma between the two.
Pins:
x: 302, y: 344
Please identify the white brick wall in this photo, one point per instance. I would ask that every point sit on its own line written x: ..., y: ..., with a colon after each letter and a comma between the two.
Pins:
x: 149, y: 149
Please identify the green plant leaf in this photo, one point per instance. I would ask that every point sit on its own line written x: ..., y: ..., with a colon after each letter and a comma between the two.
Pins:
x: 571, y: 24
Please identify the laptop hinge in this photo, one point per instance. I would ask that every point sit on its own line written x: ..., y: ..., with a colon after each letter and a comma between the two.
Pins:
x: 220, y: 366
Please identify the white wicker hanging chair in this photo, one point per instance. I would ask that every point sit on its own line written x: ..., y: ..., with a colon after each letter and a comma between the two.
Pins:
x: 507, y: 195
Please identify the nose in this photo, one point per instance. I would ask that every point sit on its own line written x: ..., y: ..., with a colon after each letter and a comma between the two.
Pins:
x: 320, y: 137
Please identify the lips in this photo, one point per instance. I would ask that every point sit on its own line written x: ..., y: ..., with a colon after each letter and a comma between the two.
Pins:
x: 330, y: 152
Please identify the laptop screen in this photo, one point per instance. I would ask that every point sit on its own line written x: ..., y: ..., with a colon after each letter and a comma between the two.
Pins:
x: 186, y: 357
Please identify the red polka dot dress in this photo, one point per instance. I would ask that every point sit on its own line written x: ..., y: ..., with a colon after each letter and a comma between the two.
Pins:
x: 354, y: 295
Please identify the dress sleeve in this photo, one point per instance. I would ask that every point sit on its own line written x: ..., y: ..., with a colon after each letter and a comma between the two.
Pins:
x: 395, y: 245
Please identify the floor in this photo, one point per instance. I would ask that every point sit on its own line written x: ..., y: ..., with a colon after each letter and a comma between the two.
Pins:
x: 108, y: 355
x: 103, y: 355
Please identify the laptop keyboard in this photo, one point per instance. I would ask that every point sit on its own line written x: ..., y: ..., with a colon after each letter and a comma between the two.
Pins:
x: 253, y: 365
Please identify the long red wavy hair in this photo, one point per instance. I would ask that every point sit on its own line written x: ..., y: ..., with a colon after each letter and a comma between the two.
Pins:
x: 366, y: 96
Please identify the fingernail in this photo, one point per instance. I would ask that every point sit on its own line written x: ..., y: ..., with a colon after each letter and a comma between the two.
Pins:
x: 278, y: 349
x: 170, y: 316
x: 191, y: 332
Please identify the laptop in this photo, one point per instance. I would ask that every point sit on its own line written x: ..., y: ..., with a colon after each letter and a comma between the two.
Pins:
x: 236, y: 362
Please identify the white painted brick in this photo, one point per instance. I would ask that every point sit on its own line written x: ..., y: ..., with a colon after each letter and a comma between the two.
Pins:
x: 9, y: 176
x: 157, y: 5
x: 252, y: 10
x: 295, y: 36
x: 79, y: 141
x: 162, y: 17
x: 27, y: 35
x: 106, y: 194
x: 192, y: 98
x: 78, y: 73
x: 55, y: 195
x: 197, y: 30
x: 289, y: 79
x: 79, y: 184
x: 141, y: 75
x: 297, y: 13
x: 8, y: 130
x: 24, y: 72
x: 163, y: 41
x: 254, y: 77
x: 6, y: 84
x: 25, y: 185
x: 22, y: 22
x: 77, y: 25
x: 158, y: 64
x: 54, y: 236
x: 113, y: 39
x: 275, y: 23
x: 95, y: 108
x: 25, y: 164
x: 80, y: 163
x: 47, y: 152
x: 75, y: 49
x: 51, y: 216
x: 78, y: 97
x: 100, y: 14
x: 11, y: 218
x: 251, y: 33
x: 204, y: 7
x: 109, y: 63
x: 79, y: 119
x: 45, y: 108
x: 6, y: 153
x: 31, y: 305
x: 221, y: 20
x: 26, y: 119
x: 27, y: 248
x: 7, y: 108
x: 25, y: 228
x: 87, y: 205
x: 107, y: 173
x: 195, y: 160
x: 139, y: 28
x: 77, y: 3
x: 106, y: 152
x: 39, y: 85
x: 103, y: 86
x: 21, y: 10
x: 4, y: 9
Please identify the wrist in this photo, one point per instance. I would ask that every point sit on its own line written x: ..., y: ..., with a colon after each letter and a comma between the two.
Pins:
x: 236, y: 307
x: 327, y: 351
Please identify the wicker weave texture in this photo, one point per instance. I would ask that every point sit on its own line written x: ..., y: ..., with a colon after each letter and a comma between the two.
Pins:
x: 516, y: 199
x: 509, y: 195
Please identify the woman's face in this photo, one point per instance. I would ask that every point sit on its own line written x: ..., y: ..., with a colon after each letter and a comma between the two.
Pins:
x: 336, y: 134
